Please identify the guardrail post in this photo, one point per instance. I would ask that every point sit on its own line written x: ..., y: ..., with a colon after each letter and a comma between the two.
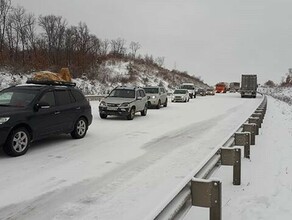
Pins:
x: 243, y: 139
x: 255, y: 120
x: 260, y: 112
x: 232, y: 157
x: 254, y: 115
x: 252, y: 129
x: 208, y: 193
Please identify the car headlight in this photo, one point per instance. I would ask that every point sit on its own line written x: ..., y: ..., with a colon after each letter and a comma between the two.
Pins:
x: 153, y: 97
x: 102, y: 104
x: 124, y: 105
x: 3, y: 120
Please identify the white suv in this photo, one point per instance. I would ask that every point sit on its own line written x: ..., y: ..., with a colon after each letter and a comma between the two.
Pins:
x: 124, y: 101
x: 157, y: 96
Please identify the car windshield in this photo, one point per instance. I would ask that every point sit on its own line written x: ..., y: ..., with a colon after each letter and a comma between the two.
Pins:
x: 17, y: 98
x: 179, y: 91
x: 187, y: 87
x: 151, y: 90
x: 123, y: 93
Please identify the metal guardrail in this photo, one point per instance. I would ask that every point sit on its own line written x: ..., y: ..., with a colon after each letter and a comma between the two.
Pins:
x: 196, y: 189
x: 95, y: 97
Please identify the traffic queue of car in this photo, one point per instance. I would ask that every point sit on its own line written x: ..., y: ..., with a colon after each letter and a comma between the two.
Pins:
x: 37, y: 110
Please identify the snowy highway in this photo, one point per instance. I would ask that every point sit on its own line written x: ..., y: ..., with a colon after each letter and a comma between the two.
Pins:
x: 122, y: 169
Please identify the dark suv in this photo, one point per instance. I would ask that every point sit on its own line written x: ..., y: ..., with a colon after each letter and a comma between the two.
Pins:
x: 34, y: 111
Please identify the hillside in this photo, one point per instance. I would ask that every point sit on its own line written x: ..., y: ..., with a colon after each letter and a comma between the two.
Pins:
x: 113, y: 72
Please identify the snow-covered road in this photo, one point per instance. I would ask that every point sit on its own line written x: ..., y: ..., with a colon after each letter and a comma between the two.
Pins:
x: 121, y: 169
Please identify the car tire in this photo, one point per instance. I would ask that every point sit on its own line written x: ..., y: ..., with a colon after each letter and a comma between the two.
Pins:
x: 144, y: 112
x: 165, y: 104
x: 159, y: 104
x: 131, y: 115
x: 103, y: 116
x: 17, y: 142
x: 80, y: 128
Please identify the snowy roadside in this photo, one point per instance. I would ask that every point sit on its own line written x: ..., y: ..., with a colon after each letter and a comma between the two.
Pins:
x: 266, y: 188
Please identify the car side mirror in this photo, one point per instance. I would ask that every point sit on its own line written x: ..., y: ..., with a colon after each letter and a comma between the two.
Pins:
x: 139, y: 98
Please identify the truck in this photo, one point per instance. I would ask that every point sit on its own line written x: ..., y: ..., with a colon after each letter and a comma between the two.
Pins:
x: 221, y: 87
x: 234, y: 87
x: 248, y: 85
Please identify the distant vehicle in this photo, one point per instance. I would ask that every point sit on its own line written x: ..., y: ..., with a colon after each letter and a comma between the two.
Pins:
x: 201, y: 92
x: 180, y: 95
x: 221, y: 87
x: 33, y: 111
x: 234, y: 86
x: 248, y: 85
x: 124, y: 101
x: 156, y: 95
x: 191, y: 89
x: 210, y: 91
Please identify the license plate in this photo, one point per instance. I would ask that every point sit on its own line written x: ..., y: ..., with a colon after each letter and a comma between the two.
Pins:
x: 112, y: 108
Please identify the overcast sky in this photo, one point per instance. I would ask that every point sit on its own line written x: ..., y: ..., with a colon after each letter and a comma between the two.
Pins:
x: 214, y: 39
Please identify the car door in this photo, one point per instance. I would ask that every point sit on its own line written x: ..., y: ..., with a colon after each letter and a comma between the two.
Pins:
x: 163, y: 95
x: 43, y: 121
x: 67, y: 109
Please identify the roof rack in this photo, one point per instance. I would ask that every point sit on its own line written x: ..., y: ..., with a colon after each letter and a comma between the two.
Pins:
x: 50, y: 82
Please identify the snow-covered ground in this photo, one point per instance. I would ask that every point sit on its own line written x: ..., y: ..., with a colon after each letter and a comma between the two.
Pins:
x: 121, y: 169
x: 266, y: 188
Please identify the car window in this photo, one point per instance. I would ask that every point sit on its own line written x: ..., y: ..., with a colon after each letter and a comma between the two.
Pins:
x: 141, y: 93
x: 18, y: 98
x: 79, y: 97
x: 123, y: 93
x: 49, y: 98
x: 63, y: 97
x: 151, y: 90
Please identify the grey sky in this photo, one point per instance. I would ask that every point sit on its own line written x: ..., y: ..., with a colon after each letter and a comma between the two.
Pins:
x: 215, y: 39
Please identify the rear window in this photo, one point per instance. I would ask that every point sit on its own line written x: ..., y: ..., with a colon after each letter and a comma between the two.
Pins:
x: 79, y: 97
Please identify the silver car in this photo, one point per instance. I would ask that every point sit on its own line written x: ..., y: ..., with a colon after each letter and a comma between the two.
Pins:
x: 157, y: 96
x: 124, y: 101
x: 180, y: 95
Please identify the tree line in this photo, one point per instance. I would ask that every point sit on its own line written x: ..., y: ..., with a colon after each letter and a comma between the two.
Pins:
x: 30, y: 43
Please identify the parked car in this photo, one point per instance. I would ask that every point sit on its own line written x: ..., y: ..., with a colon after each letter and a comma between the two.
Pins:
x: 124, y: 101
x: 157, y: 96
x: 191, y: 89
x: 201, y: 92
x: 180, y: 95
x: 210, y: 91
x: 33, y: 111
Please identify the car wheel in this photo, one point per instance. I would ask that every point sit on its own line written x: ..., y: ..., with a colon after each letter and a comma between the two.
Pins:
x: 144, y: 112
x: 80, y: 128
x: 159, y: 104
x: 131, y: 115
x: 17, y: 143
x: 103, y: 116
x: 165, y: 104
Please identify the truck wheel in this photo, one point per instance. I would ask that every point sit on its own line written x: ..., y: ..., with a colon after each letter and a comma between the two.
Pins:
x: 80, y: 128
x: 17, y: 143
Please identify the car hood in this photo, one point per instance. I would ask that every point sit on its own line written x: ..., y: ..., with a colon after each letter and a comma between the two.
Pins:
x: 8, y: 110
x: 118, y: 100
x: 181, y: 95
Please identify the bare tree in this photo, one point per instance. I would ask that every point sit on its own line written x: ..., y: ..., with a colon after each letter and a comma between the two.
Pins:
x: 160, y: 61
x: 118, y: 46
x: 54, y: 27
x: 104, y: 47
x: 134, y: 47
x: 5, y: 6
